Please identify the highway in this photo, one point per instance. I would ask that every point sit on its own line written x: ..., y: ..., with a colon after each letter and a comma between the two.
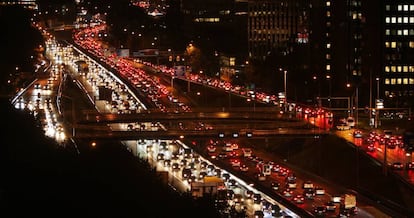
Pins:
x: 86, y: 84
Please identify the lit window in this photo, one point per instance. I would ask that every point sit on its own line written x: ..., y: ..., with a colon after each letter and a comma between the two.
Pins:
x: 387, y: 44
x: 387, y: 20
x: 405, y: 69
x: 399, y: 32
x: 393, y: 44
x: 405, y: 19
x: 399, y: 81
x: 411, y: 81
x: 387, y: 32
x: 393, y: 19
x: 411, y: 44
x: 387, y: 81
x: 328, y: 3
x: 405, y: 81
x: 411, y: 7
x: 393, y: 69
x: 387, y: 7
x: 387, y: 69
x: 411, y: 69
x: 405, y: 7
x: 354, y: 16
x: 405, y: 32
x: 411, y: 19
x: 399, y: 8
x: 328, y: 14
x: 399, y: 20
x: 399, y: 68
x: 328, y: 45
x: 328, y: 56
x: 393, y: 81
x: 328, y: 67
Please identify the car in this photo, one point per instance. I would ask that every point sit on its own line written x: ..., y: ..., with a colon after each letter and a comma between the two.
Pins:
x: 287, y: 193
x: 222, y: 155
x: 275, y: 185
x: 291, y: 184
x: 175, y: 166
x: 357, y: 133
x: 211, y: 148
x: 235, y: 162
x: 309, y: 193
x: 249, y: 194
x: 238, y: 198
x: 277, y: 211
x: 330, y: 206
x: 343, y: 126
x: 350, y: 121
x: 257, y: 198
x: 244, y: 168
x: 299, y: 199
x: 202, y: 174
x: 319, y: 191
x: 225, y: 176
x: 258, y: 214
x: 370, y: 148
x: 247, y: 152
x: 261, y: 177
x: 397, y: 166
x: 320, y: 210
x: 186, y: 173
x: 160, y: 156
x: 308, y: 185
x: 230, y: 194
x: 191, y: 179
x: 232, y: 182
x: 167, y: 163
x: 410, y: 165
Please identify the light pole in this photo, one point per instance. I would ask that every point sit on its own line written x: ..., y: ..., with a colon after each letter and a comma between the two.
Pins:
x: 328, y: 77
x: 377, y: 110
x: 285, y: 85
x: 356, y: 107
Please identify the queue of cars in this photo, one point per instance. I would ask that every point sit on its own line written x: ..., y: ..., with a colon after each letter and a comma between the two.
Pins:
x: 282, y: 180
x: 232, y: 197
x: 187, y: 164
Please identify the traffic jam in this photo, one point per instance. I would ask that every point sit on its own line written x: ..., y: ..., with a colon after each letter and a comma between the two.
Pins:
x: 303, y: 193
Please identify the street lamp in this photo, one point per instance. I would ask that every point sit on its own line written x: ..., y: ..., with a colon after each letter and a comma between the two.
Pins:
x: 285, y: 86
x: 376, y: 103
x: 328, y: 77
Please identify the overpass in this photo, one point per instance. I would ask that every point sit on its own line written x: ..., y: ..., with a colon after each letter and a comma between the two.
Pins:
x: 197, y: 134
x: 148, y: 116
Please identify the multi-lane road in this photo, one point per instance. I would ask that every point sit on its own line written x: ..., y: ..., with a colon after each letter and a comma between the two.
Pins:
x: 48, y: 89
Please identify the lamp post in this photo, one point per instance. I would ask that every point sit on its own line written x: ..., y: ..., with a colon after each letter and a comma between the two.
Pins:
x: 356, y: 106
x: 377, y: 111
x: 285, y: 85
x: 328, y: 77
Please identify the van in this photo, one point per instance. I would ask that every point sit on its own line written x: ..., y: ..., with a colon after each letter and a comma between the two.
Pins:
x: 387, y: 133
x: 350, y: 121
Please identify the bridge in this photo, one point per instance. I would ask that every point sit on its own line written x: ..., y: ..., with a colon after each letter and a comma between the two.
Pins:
x: 148, y: 116
x: 197, y: 134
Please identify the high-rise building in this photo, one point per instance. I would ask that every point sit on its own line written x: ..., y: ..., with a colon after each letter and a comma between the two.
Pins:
x: 273, y: 24
x: 397, y: 79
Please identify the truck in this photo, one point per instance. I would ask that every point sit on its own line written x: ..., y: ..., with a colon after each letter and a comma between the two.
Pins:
x: 348, y: 205
x: 349, y: 201
x: 211, y: 185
